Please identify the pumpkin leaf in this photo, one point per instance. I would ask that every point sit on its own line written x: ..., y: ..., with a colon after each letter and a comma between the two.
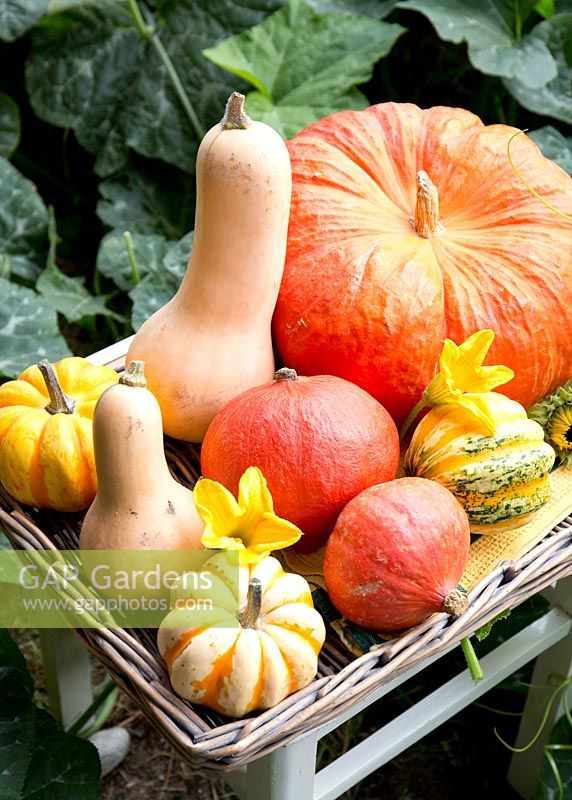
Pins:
x: 304, y: 64
x: 65, y: 294
x: 554, y: 145
x: 160, y: 265
x: 482, y: 632
x: 373, y: 8
x: 18, y: 16
x: 28, y: 329
x: 148, y: 197
x: 23, y: 224
x: 492, y: 30
x: 9, y: 125
x: 554, y: 98
x: 38, y: 761
x: 559, y: 751
x: 90, y: 70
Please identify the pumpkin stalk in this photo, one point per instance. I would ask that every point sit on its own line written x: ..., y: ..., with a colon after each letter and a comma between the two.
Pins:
x: 456, y: 603
x: 473, y: 664
x: 60, y: 402
x: 426, y: 219
x: 134, y: 375
x: 251, y: 614
x: 286, y: 374
x: 234, y: 117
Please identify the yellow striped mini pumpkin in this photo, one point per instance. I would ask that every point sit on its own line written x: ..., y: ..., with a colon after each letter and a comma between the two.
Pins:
x: 46, y: 433
x: 495, y: 476
x: 261, y: 642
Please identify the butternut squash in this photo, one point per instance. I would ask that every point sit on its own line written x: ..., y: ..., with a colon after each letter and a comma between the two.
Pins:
x: 212, y: 341
x: 138, y: 504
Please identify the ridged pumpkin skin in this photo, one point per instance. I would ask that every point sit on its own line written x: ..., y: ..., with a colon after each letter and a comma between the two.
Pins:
x: 47, y: 460
x: 236, y: 669
x: 496, y: 476
x: 397, y: 552
x: 365, y: 297
x: 319, y: 441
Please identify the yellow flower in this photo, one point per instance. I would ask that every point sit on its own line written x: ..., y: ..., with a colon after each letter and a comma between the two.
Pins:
x: 560, y: 431
x: 462, y: 380
x: 249, y: 525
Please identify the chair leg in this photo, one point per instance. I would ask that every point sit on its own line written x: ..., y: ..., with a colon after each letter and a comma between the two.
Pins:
x: 285, y: 774
x: 557, y: 660
x: 68, y: 674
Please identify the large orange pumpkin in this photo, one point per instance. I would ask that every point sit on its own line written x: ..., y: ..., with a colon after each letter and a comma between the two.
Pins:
x: 408, y: 226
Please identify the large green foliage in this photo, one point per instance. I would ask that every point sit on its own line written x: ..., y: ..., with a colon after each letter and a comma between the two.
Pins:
x: 110, y: 98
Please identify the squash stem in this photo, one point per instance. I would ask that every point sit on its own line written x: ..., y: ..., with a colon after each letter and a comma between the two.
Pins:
x: 426, y: 219
x: 60, y: 402
x: 249, y: 617
x: 234, y: 117
x: 149, y: 34
x: 473, y: 664
x: 134, y: 375
x: 410, y: 419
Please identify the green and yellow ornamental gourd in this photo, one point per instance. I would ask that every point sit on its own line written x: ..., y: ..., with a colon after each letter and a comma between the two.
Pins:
x: 478, y: 443
x: 495, y: 476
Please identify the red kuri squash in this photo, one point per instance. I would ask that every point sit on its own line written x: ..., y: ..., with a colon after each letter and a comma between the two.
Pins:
x: 396, y: 555
x: 318, y: 441
x: 409, y: 226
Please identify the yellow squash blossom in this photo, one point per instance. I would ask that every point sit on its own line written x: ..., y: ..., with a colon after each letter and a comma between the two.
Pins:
x: 462, y: 379
x: 248, y: 524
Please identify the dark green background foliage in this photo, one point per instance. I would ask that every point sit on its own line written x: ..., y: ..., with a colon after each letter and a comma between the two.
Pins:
x: 103, y: 105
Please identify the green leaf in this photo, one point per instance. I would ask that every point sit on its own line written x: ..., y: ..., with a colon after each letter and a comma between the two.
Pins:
x: 485, y: 629
x: 38, y: 761
x: 113, y: 258
x: 490, y: 28
x: 69, y: 295
x: 554, y: 99
x: 28, y: 329
x: 304, y: 64
x: 66, y: 294
x: 82, y: 68
x: 560, y: 750
x: 545, y: 8
x: 89, y: 70
x: 372, y: 8
x: 9, y: 125
x: 18, y: 16
x: 554, y: 145
x: 148, y: 197
x: 23, y: 223
x: 160, y: 264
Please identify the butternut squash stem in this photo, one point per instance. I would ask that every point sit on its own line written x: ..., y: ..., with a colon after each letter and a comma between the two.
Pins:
x: 149, y: 34
x: 426, y: 219
x: 234, y: 117
x: 60, y: 402
x: 134, y: 375
x: 473, y: 664
x: 249, y: 617
x: 410, y: 419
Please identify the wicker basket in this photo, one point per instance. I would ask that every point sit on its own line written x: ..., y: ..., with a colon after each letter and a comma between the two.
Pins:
x: 210, y: 741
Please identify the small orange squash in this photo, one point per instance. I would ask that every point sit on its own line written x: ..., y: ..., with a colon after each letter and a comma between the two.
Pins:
x: 46, y: 440
x: 212, y: 340
x: 138, y: 505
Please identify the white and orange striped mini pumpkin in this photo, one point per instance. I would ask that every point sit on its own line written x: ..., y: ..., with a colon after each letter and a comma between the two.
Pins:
x: 261, y: 645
